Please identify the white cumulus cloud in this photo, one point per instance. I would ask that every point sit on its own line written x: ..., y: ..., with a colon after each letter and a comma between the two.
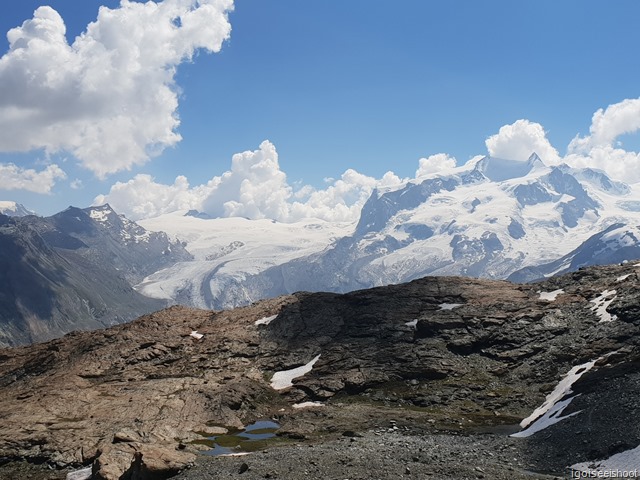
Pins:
x: 13, y: 177
x: 255, y: 187
x: 143, y: 197
x: 599, y: 149
x: 607, y: 125
x: 110, y: 97
x: 434, y: 164
x: 519, y: 140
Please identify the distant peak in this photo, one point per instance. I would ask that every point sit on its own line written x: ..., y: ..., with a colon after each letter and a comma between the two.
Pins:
x: 534, y: 158
x: 14, y: 209
x: 101, y: 213
x: 197, y: 214
x: 535, y: 161
x: 500, y: 169
x: 105, y: 207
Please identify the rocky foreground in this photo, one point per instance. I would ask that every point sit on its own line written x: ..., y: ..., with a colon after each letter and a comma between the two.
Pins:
x: 424, y: 379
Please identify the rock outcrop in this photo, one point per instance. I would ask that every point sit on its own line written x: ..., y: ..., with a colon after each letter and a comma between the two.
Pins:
x: 461, y: 352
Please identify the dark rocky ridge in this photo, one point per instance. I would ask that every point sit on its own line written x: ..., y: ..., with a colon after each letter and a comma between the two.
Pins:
x: 131, y: 398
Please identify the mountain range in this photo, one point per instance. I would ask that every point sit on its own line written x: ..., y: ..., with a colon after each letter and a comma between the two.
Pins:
x: 490, y: 218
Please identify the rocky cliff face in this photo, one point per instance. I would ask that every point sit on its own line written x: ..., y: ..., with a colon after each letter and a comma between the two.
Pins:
x: 452, y: 354
x: 75, y: 270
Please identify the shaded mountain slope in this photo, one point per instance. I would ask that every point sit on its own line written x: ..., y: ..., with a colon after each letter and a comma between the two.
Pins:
x: 71, y: 271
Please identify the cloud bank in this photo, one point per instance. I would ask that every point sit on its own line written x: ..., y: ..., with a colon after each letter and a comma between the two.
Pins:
x: 254, y: 187
x: 16, y: 178
x: 110, y: 97
x: 599, y: 149
x: 434, y: 164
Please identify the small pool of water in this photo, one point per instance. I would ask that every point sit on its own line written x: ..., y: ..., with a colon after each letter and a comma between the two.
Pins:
x: 250, y: 439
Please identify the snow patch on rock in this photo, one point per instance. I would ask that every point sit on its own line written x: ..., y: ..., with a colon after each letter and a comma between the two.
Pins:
x: 99, y: 215
x: 449, y: 306
x: 413, y: 323
x: 627, y: 461
x: 284, y: 379
x: 265, y: 320
x: 550, y: 296
x: 549, y: 412
x: 82, y: 474
x: 308, y: 405
x: 601, y: 304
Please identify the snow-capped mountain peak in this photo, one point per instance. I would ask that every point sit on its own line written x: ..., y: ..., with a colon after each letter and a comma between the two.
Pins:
x: 14, y: 209
x: 499, y: 169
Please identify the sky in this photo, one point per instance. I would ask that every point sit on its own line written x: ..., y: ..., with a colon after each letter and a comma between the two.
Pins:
x: 287, y: 109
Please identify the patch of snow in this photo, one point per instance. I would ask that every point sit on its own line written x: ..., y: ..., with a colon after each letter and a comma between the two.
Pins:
x: 565, y: 263
x: 82, y: 474
x: 601, y: 303
x: 549, y: 412
x: 637, y: 265
x: 627, y: 461
x: 412, y: 323
x: 265, y: 320
x: 550, y: 296
x: 549, y: 418
x: 449, y: 306
x: 284, y: 379
x: 623, y: 277
x: 99, y: 215
x: 196, y: 335
x: 144, y: 237
x: 308, y: 405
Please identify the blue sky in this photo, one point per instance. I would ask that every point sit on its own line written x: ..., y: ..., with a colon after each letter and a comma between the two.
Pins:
x: 367, y: 85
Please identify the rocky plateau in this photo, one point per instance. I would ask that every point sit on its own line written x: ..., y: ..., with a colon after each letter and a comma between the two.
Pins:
x: 426, y: 378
